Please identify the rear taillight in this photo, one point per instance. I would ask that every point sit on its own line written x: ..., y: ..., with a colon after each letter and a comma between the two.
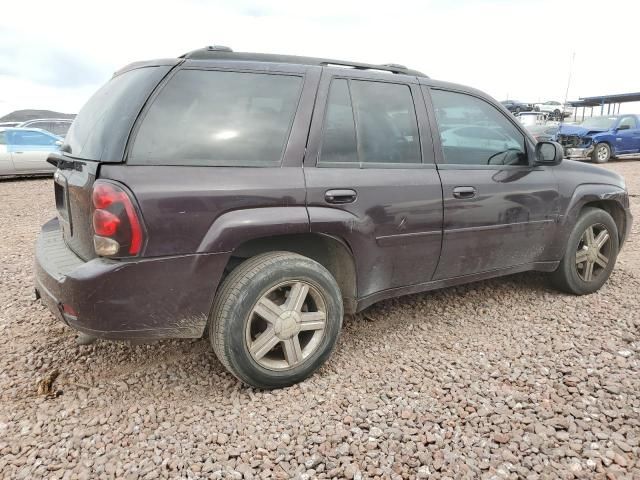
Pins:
x: 116, y: 223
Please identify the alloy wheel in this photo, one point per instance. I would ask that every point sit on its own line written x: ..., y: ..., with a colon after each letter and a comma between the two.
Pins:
x: 593, y: 253
x: 602, y: 153
x: 286, y: 325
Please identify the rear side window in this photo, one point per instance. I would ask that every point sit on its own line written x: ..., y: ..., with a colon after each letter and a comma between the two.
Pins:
x: 473, y: 132
x: 370, y: 122
x: 3, y: 139
x: 339, y: 136
x: 101, y: 129
x: 218, y: 118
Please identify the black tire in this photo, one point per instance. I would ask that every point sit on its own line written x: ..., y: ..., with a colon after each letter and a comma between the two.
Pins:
x: 233, y: 312
x: 601, y: 153
x: 569, y: 277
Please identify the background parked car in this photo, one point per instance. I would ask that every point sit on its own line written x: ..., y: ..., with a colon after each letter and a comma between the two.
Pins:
x: 555, y: 109
x: 531, y: 118
x: 543, y: 133
x: 57, y: 126
x: 24, y: 151
x: 601, y: 138
x: 9, y: 124
x: 515, y: 106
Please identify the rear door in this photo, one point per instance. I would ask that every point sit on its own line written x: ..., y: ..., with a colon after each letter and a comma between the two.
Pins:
x: 370, y: 163
x: 500, y: 210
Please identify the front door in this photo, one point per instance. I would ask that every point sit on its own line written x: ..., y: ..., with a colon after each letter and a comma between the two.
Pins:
x: 499, y: 209
x: 627, y: 135
x: 371, y: 179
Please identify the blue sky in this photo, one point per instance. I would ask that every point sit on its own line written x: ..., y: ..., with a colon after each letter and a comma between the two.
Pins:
x: 517, y: 49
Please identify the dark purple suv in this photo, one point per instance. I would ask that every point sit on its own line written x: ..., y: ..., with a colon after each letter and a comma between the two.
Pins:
x: 258, y: 198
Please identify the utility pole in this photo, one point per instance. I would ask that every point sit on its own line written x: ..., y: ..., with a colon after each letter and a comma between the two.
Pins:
x: 566, y: 93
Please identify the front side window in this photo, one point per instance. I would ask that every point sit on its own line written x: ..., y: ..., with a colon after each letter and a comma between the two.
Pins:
x: 218, y: 118
x: 3, y: 139
x: 473, y: 132
x: 630, y: 121
x: 370, y: 122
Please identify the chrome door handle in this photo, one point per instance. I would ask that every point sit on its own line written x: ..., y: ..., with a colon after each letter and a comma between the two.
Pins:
x: 464, y: 193
x: 340, y: 196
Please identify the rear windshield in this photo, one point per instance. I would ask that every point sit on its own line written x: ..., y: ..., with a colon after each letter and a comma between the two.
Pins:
x: 101, y: 129
x: 218, y: 118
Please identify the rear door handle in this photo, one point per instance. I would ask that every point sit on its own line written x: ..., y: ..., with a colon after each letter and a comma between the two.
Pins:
x: 340, y: 196
x: 464, y: 192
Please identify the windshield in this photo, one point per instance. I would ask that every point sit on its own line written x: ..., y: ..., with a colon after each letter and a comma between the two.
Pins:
x: 100, y: 130
x: 598, y: 122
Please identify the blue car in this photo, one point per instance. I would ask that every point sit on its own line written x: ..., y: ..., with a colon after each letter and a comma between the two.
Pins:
x: 24, y: 151
x: 601, y: 138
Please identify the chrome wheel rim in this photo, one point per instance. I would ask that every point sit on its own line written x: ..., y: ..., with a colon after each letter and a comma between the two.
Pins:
x: 286, y: 325
x: 594, y: 250
x: 602, y: 153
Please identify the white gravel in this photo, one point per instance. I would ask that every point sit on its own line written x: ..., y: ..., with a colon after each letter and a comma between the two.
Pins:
x: 500, y: 379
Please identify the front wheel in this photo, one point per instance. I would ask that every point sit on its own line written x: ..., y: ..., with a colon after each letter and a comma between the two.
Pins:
x: 276, y: 319
x: 601, y: 153
x: 591, y: 254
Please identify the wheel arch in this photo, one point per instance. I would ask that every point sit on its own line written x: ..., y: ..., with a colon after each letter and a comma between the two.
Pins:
x: 609, y: 198
x: 331, y: 252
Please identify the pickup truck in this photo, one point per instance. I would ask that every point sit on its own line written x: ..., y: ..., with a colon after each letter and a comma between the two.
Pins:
x: 601, y: 138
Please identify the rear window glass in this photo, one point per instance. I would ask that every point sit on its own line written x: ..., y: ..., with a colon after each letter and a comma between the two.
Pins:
x: 218, y: 118
x: 101, y: 129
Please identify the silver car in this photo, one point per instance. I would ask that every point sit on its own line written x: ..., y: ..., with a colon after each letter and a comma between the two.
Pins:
x: 24, y: 151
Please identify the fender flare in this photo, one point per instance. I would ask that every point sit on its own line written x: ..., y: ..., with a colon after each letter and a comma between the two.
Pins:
x: 592, y: 192
x: 233, y: 228
x: 582, y: 195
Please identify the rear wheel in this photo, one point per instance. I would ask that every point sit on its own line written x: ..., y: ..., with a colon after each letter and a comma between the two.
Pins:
x: 591, y: 254
x: 276, y: 319
x: 601, y: 153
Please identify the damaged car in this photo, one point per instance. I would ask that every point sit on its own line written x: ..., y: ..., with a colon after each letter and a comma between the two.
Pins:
x: 601, y: 138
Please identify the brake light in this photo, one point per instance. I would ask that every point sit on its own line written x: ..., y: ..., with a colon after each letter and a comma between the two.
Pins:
x: 116, y: 224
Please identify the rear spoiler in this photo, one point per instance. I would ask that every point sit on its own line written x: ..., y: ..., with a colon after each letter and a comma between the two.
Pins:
x: 64, y: 163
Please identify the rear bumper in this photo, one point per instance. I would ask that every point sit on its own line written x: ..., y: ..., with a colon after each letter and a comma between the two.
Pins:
x: 165, y: 297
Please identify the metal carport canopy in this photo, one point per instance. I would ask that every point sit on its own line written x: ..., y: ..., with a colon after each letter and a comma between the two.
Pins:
x: 602, y: 100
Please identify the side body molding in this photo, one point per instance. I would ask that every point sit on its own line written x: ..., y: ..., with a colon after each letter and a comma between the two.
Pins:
x: 233, y: 228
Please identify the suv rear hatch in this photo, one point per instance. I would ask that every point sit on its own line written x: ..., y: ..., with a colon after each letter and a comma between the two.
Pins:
x: 99, y: 134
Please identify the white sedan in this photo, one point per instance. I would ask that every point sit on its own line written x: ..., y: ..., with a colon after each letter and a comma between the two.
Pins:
x: 24, y: 151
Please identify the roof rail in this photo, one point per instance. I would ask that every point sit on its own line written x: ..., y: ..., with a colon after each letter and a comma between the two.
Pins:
x: 218, y: 52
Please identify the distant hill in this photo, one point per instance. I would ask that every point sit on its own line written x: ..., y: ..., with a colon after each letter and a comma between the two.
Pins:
x: 24, y: 115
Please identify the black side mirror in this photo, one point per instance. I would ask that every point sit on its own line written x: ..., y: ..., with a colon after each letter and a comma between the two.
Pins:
x: 623, y: 127
x: 549, y: 153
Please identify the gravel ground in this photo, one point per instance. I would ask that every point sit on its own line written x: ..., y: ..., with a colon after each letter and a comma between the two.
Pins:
x: 500, y: 379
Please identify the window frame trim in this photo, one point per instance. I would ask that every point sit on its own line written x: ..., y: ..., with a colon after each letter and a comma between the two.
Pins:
x: 437, y: 140
x: 282, y: 162
x: 423, y: 127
